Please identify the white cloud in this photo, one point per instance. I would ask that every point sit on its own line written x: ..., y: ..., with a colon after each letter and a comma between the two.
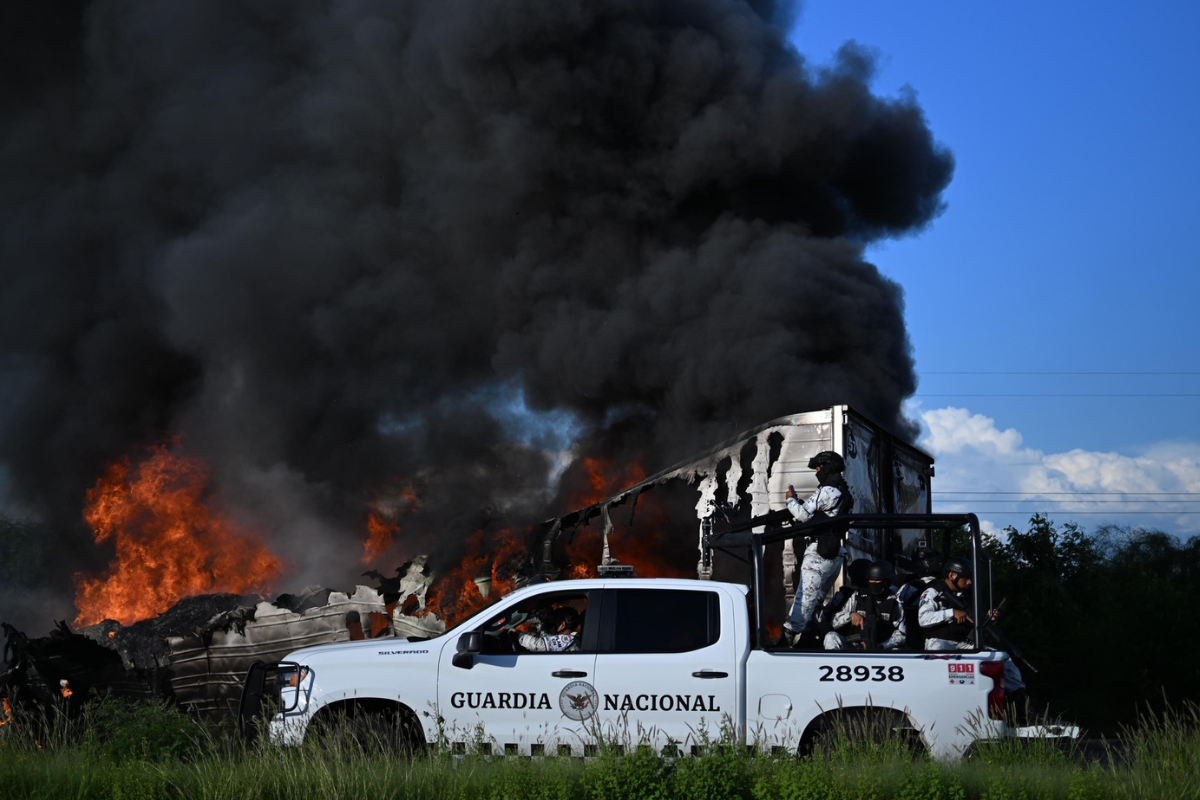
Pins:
x: 991, y: 472
x: 952, y: 430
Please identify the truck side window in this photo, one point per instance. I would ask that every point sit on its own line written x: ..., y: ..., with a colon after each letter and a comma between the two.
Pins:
x: 546, y: 623
x: 665, y: 620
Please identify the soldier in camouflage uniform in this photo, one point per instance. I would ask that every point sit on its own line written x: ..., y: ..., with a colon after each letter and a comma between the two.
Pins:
x: 823, y: 555
x: 559, y: 634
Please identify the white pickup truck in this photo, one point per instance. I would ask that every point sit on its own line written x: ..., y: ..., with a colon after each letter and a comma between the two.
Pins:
x: 664, y: 662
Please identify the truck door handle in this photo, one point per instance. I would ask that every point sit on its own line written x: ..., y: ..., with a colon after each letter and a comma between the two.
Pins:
x: 568, y: 673
x: 710, y: 673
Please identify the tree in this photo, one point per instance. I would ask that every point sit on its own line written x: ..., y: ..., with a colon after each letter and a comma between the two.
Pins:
x: 1106, y: 618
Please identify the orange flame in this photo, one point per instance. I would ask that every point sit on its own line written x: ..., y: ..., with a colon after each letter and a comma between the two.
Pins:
x: 458, y: 594
x: 383, y: 523
x: 169, y: 543
x: 488, y: 559
x: 7, y: 712
x: 380, y: 533
x: 637, y: 546
x: 585, y: 548
x: 604, y: 481
x: 628, y: 547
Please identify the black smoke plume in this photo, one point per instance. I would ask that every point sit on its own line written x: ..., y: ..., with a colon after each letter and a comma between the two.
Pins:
x: 329, y: 245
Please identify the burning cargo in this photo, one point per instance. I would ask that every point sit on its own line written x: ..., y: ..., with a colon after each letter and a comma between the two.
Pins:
x: 199, y: 650
x: 746, y: 478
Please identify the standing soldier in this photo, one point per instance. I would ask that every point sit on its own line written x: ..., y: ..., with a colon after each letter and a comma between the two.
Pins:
x: 823, y: 555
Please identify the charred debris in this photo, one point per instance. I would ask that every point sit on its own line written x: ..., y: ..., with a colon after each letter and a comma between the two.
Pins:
x: 197, y: 652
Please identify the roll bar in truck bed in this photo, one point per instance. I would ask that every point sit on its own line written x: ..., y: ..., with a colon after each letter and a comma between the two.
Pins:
x: 773, y: 530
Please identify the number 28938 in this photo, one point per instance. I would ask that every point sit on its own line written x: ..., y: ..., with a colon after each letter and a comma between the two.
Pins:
x: 861, y: 673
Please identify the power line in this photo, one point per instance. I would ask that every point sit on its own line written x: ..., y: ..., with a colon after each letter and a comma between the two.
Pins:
x: 1088, y: 502
x: 923, y: 372
x: 1068, y: 512
x: 1041, y: 494
x: 1074, y: 396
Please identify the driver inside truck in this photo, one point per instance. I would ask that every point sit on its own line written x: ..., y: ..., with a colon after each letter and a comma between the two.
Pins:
x: 559, y: 632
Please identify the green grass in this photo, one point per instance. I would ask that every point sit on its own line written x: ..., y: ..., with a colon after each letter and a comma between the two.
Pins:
x: 154, y: 752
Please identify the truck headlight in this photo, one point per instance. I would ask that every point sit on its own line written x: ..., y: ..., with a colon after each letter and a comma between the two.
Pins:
x: 291, y: 680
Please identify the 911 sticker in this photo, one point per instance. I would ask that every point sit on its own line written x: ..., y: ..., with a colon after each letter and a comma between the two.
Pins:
x: 861, y: 673
x: 962, y: 674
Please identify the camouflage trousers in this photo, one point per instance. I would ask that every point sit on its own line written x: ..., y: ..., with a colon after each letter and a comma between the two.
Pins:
x: 816, y: 577
x: 834, y: 641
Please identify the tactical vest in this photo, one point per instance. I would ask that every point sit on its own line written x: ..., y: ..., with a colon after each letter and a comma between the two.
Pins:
x: 950, y: 630
x: 881, y: 617
x: 910, y: 601
x: 826, y: 613
x: 829, y: 544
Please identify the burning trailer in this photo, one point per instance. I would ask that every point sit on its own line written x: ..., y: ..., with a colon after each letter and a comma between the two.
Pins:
x: 742, y: 483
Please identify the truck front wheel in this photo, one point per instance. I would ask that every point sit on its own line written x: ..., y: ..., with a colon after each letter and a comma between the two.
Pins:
x: 370, y: 727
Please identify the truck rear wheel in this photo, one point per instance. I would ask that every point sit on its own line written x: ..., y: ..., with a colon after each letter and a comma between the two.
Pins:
x: 875, y: 728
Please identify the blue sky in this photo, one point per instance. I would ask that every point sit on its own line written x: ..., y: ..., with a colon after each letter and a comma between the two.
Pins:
x: 1065, y: 248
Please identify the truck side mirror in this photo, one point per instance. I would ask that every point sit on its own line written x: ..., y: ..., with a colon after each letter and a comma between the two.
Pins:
x: 469, y: 644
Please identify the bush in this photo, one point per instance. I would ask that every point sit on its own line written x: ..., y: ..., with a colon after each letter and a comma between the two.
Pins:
x: 641, y: 774
x: 521, y: 779
x: 724, y: 771
x: 147, y: 730
x: 136, y: 780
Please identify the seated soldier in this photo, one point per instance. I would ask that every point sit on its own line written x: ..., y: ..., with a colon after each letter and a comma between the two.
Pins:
x: 822, y: 619
x: 927, y: 568
x: 871, y: 619
x: 947, y: 624
x: 560, y: 632
x: 942, y: 612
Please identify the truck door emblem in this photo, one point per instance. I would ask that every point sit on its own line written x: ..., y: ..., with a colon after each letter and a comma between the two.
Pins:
x: 578, y: 700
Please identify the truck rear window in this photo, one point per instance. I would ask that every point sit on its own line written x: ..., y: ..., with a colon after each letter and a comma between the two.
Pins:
x: 664, y: 620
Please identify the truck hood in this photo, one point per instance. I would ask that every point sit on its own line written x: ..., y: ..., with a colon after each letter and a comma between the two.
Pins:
x: 364, y: 647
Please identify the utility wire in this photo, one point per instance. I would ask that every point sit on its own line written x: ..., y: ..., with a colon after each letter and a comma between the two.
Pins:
x: 1068, y: 512
x: 1040, y: 494
x: 1085, y: 503
x: 1142, y: 394
x: 922, y: 372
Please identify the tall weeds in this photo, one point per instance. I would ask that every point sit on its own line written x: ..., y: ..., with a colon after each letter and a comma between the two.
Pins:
x: 1161, y: 755
x: 135, y: 753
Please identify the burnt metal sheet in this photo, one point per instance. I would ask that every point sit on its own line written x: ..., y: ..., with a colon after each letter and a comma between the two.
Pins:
x: 198, y: 652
